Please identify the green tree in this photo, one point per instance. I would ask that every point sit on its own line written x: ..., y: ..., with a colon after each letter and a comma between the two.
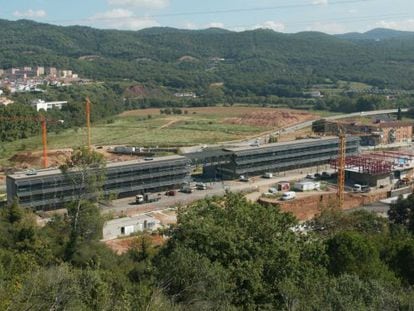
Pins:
x: 402, y: 212
x: 85, y: 171
x: 399, y: 114
x: 352, y: 253
x: 254, y: 244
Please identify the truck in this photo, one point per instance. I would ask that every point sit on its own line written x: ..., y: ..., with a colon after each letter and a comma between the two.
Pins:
x: 146, y: 198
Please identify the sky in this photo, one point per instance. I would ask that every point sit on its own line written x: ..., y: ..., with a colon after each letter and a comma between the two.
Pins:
x: 329, y: 16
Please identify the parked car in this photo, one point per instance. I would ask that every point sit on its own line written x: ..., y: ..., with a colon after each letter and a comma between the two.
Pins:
x: 309, y: 176
x: 290, y: 195
x: 325, y: 175
x: 361, y: 188
x: 201, y: 186
x: 187, y: 189
x: 244, y: 178
x: 171, y: 193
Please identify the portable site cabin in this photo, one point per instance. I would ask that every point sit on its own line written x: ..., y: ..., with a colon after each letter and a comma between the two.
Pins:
x: 283, y: 186
x: 127, y: 225
x: 307, y: 185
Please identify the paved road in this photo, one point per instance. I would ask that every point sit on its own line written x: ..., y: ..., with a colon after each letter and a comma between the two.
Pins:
x: 127, y: 206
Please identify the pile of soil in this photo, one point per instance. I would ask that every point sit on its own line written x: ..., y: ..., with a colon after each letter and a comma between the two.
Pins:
x: 25, y: 160
x: 274, y: 119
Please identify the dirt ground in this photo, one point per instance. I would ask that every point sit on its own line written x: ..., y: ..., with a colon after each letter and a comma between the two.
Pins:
x: 273, y: 118
x: 25, y: 160
x: 246, y: 113
x: 307, y: 207
x: 121, y: 246
x: 34, y: 159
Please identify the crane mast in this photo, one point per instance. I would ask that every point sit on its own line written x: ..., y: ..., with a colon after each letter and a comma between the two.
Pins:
x: 341, y: 167
x: 88, y: 121
x: 44, y: 141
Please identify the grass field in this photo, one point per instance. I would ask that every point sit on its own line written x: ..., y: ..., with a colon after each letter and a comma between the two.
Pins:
x: 147, y: 127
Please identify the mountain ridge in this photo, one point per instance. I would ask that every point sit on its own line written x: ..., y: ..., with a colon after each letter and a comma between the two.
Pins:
x: 258, y: 62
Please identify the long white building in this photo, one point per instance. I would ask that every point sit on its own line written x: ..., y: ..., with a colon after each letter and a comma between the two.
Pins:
x: 41, y: 104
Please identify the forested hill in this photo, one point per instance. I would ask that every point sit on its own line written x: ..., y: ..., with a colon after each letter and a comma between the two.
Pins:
x: 378, y: 34
x: 259, y: 62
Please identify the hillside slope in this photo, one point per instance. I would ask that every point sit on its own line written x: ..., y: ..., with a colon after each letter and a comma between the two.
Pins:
x: 260, y: 62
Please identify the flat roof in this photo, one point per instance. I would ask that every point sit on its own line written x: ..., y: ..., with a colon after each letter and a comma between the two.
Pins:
x: 56, y: 171
x: 207, y: 153
x: 288, y: 143
x: 130, y: 220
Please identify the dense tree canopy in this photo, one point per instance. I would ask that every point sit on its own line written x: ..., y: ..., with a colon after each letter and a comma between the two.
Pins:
x: 225, y: 253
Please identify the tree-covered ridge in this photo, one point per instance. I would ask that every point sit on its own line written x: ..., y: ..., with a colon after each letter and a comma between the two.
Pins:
x: 251, y: 58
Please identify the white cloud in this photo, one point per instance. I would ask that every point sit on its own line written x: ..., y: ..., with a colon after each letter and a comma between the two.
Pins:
x: 273, y: 25
x: 150, y: 4
x: 30, y: 14
x: 320, y: 2
x: 215, y: 25
x: 190, y: 25
x: 331, y: 28
x: 407, y: 25
x: 121, y: 19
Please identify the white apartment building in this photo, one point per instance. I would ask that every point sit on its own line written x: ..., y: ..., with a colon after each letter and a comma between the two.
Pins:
x: 41, y: 104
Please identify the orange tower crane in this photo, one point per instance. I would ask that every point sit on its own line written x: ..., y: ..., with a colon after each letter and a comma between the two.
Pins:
x: 341, y: 167
x: 43, y: 123
x: 88, y: 121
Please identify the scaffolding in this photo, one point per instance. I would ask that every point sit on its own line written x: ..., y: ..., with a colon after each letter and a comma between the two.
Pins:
x: 284, y: 156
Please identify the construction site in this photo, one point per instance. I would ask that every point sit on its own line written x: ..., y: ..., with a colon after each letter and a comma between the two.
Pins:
x: 347, y: 175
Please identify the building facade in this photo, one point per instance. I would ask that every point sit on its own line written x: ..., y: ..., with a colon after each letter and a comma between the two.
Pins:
x: 49, y: 189
x: 279, y: 157
x: 376, y: 133
x: 39, y: 104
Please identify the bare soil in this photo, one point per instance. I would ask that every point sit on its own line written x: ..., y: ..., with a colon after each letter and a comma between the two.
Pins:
x: 273, y: 118
x: 121, y: 246
x: 245, y: 113
x: 33, y: 159
x: 25, y: 160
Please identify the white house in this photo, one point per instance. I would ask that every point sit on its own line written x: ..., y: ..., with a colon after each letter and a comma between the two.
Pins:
x: 125, y: 226
x: 41, y: 104
x: 5, y: 101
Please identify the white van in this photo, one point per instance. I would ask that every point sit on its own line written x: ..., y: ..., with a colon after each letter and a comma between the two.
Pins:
x: 201, y: 186
x: 268, y: 175
x: 290, y: 195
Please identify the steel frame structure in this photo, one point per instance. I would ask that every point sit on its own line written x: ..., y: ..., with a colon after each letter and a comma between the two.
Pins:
x: 365, y: 164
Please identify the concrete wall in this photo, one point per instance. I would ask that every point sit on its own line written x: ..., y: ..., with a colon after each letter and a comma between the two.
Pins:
x: 402, y: 134
x: 311, y: 206
x: 368, y: 179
